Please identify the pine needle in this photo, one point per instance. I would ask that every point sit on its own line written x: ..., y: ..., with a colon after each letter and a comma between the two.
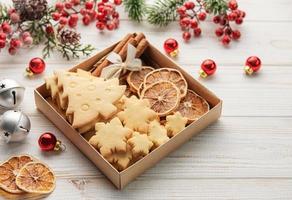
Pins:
x: 135, y: 9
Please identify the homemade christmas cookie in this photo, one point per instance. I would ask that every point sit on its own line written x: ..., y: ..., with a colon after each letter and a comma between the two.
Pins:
x: 167, y: 74
x: 137, y: 114
x: 120, y: 160
x: 110, y: 137
x: 163, y: 97
x: 140, y: 144
x: 9, y: 170
x: 192, y: 106
x: 175, y: 123
x: 157, y: 134
x: 90, y: 99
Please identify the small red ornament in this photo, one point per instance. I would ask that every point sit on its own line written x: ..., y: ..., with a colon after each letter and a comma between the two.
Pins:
x: 208, y: 67
x: 171, y: 47
x: 36, y: 66
x: 48, y: 142
x: 252, y: 64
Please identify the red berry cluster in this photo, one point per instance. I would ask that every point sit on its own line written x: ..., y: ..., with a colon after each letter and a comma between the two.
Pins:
x: 13, y: 39
x: 233, y: 14
x: 191, y: 13
x: 104, y: 13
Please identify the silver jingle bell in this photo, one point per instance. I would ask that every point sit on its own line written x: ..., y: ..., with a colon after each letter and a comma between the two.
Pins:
x: 14, y: 126
x: 11, y: 93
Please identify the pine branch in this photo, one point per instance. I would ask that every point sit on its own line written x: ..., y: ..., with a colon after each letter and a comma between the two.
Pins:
x: 216, y: 7
x: 3, y: 13
x: 163, y: 12
x: 74, y: 51
x: 135, y: 8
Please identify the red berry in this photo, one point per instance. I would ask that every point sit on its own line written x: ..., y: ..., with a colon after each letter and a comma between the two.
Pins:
x: 91, y: 14
x: 232, y: 16
x: 86, y: 20
x: 12, y: 50
x: 28, y: 40
x: 202, y: 16
x: 232, y: 4
x: 110, y: 26
x: 59, y: 6
x: 182, y: 10
x: 197, y: 32
x: 186, y: 36
x: 225, y: 40
x: 243, y: 14
x: 89, y: 5
x: 56, y: 16
x: 116, y: 15
x: 72, y: 23
x: 194, y: 23
x: 185, y: 22
x: 74, y: 17
x: 16, y: 43
x: 100, y: 4
x: 14, y: 17
x: 104, y: 1
x: 228, y: 31
x: 2, y: 36
x: 6, y: 28
x: 239, y: 20
x: 117, y: 2
x: 49, y: 30
x: 68, y: 5
x: 2, y: 44
x: 63, y: 21
x: 25, y: 35
x: 219, y: 32
x: 100, y: 16
x: 223, y: 22
x: 100, y: 25
x: 83, y: 11
x: 189, y: 5
x: 216, y: 19
x: 236, y: 34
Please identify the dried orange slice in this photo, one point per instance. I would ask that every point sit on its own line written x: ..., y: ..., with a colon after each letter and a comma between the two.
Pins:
x: 135, y: 78
x: 36, y: 177
x: 163, y: 96
x: 167, y: 74
x: 140, y: 89
x: 9, y: 170
x: 193, y: 106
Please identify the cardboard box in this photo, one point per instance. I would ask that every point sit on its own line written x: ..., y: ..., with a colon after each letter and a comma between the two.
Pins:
x: 152, y: 57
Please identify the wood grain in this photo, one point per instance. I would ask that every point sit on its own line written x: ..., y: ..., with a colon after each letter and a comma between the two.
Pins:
x: 245, y: 155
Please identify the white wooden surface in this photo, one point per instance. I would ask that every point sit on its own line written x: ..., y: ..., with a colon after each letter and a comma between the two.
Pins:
x: 247, y: 154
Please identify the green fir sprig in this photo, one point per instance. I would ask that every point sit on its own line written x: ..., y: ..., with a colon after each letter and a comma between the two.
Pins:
x: 216, y: 7
x: 135, y: 8
x: 3, y: 13
x: 162, y: 12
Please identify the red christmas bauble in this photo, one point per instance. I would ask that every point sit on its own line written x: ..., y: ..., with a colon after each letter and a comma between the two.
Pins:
x: 208, y: 67
x: 171, y: 47
x: 37, y: 65
x: 252, y: 64
x: 47, y: 141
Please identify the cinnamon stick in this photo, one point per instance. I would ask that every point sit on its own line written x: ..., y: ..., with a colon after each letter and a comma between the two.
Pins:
x: 141, y: 47
x: 123, y: 52
x: 139, y: 37
x: 117, y: 49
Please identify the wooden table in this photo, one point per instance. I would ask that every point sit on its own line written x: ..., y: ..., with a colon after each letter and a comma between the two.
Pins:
x: 247, y: 154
